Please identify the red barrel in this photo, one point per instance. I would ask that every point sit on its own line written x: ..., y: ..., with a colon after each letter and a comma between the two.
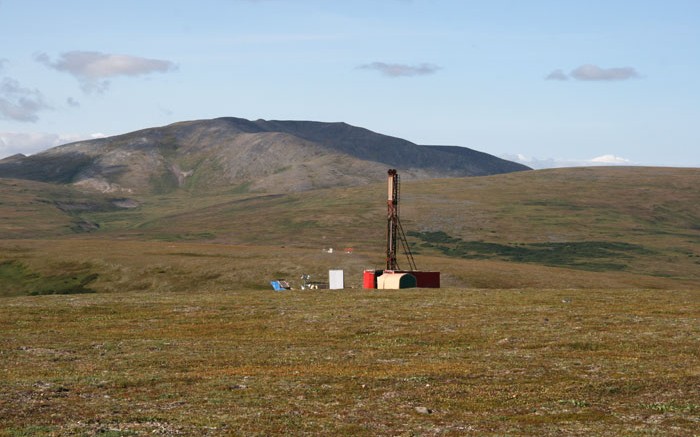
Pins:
x: 369, y: 278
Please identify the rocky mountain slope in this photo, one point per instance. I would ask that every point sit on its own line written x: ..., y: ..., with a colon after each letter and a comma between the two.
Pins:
x: 244, y: 155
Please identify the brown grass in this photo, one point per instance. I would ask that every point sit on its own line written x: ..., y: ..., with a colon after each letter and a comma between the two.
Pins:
x: 185, y: 336
x: 418, y: 362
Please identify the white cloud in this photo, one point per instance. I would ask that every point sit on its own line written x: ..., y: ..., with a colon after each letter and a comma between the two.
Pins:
x: 610, y: 159
x: 399, y: 70
x: 18, y: 103
x: 592, y: 72
x: 91, y: 69
x: 539, y: 163
x: 28, y: 143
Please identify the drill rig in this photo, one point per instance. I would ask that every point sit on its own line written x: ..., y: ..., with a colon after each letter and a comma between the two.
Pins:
x: 394, y: 230
x: 393, y: 276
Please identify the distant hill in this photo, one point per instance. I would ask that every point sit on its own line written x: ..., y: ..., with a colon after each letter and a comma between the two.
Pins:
x: 234, y: 153
x: 598, y: 228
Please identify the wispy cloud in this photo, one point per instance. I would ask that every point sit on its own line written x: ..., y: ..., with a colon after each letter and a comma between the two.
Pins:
x: 401, y: 70
x: 590, y: 72
x: 28, y: 143
x: 91, y: 69
x: 593, y: 72
x: 557, y: 75
x: 18, y: 103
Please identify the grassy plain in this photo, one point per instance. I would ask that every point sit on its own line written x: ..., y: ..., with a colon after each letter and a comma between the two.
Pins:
x: 571, y: 306
x: 410, y: 362
x: 636, y: 223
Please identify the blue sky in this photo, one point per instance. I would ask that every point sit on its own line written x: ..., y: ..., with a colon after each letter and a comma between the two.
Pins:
x: 554, y: 82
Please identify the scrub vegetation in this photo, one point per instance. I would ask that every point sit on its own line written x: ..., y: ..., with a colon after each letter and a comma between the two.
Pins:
x: 412, y: 362
x: 570, y: 306
x: 17, y: 279
x: 585, y: 255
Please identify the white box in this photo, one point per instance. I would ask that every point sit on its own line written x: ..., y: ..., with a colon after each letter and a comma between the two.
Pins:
x: 335, y: 280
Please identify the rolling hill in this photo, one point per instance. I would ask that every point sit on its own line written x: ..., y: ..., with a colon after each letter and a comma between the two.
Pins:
x: 233, y: 153
x: 564, y: 228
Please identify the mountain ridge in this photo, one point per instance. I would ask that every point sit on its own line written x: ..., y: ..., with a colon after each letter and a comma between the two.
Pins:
x: 260, y: 155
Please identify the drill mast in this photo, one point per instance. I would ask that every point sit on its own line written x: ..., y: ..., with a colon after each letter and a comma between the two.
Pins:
x: 394, y: 230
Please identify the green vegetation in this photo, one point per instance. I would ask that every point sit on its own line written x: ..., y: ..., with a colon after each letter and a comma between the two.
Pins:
x: 241, y: 189
x: 414, y: 362
x: 185, y: 237
x: 17, y: 279
x: 585, y: 255
x: 167, y: 146
x: 163, y: 183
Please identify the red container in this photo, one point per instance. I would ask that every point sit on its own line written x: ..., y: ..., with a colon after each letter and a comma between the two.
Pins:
x: 427, y: 279
x: 369, y: 278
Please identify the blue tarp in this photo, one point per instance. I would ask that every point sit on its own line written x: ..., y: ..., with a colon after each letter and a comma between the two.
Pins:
x: 280, y: 285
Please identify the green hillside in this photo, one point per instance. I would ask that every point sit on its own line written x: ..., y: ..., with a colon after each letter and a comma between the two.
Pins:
x: 585, y: 227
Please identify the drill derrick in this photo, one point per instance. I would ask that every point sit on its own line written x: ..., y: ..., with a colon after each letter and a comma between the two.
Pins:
x: 394, y: 231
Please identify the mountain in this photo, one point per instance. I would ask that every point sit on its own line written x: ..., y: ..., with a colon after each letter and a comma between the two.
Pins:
x: 234, y: 153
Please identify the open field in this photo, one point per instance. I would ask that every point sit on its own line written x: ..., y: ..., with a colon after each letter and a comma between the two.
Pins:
x: 72, y: 265
x: 640, y: 226
x: 418, y: 362
x: 571, y: 306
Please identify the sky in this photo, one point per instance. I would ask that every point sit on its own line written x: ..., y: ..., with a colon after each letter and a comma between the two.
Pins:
x: 547, y: 82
